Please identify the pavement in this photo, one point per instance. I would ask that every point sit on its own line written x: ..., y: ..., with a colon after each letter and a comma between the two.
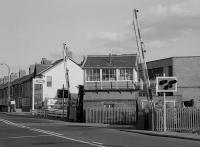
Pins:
x: 126, y: 128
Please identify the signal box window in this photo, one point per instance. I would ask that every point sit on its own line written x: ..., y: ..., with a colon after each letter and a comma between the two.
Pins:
x: 108, y: 74
x: 49, y: 81
x: 126, y: 74
x: 93, y: 74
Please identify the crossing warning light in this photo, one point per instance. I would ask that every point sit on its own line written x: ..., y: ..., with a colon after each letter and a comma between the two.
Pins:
x: 166, y: 84
x: 60, y: 93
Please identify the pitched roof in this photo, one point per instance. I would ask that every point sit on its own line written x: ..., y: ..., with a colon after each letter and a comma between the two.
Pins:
x: 116, y: 61
x: 55, y: 63
x: 41, y: 67
x: 25, y: 78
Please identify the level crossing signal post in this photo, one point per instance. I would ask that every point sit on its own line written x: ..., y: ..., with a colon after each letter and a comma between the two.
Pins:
x: 165, y: 84
x: 63, y: 94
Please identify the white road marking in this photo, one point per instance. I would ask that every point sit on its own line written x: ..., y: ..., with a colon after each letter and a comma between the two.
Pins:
x: 28, y: 136
x: 97, y: 143
x: 53, y: 134
x: 85, y: 142
x: 46, y: 132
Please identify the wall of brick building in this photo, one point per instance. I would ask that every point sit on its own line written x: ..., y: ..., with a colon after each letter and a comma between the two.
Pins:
x: 119, y: 99
x: 158, y: 101
x: 165, y: 63
x: 123, y: 104
x: 187, y: 71
x: 190, y: 93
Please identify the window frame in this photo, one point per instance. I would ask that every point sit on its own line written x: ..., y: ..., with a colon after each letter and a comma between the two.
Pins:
x: 92, y: 75
x: 128, y: 71
x: 110, y: 73
x: 49, y: 81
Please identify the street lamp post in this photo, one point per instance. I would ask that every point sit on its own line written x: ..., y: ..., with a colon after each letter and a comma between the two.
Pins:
x: 8, y: 102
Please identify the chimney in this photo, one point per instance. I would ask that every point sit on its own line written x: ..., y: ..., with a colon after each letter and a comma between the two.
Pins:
x: 13, y: 76
x: 31, y: 69
x: 45, y: 61
x: 22, y: 73
x: 110, y: 58
x: 1, y: 80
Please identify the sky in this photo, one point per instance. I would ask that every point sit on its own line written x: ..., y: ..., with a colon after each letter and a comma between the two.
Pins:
x: 32, y: 29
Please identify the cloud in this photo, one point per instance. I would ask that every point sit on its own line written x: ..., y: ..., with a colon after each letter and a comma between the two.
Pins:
x: 162, y: 24
x: 55, y: 56
x: 185, y: 8
x: 156, y: 44
x: 112, y: 41
x: 176, y: 7
x: 112, y: 36
x: 167, y: 22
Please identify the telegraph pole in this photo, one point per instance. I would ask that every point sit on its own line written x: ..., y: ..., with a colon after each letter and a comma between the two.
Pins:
x: 65, y: 59
x: 63, y: 102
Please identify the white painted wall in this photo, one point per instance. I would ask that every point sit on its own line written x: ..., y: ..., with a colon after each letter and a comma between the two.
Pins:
x: 58, y: 79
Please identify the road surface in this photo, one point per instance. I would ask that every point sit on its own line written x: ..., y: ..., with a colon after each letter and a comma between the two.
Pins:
x: 18, y: 131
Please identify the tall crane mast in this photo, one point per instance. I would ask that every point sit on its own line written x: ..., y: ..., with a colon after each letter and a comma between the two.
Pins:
x: 141, y: 51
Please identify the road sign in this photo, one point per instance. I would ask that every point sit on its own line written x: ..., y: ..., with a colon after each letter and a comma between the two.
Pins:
x: 12, y: 102
x: 39, y: 81
x: 166, y: 84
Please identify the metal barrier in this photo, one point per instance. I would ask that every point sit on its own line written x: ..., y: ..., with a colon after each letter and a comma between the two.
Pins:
x: 178, y: 119
x: 50, y: 113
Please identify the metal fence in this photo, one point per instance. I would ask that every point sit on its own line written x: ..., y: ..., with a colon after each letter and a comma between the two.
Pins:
x: 111, y: 116
x: 57, y: 113
x: 50, y: 113
x: 178, y: 119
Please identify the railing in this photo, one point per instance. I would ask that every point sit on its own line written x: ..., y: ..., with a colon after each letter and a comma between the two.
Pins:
x: 50, y: 113
x: 111, y: 116
x: 111, y: 85
x: 178, y: 119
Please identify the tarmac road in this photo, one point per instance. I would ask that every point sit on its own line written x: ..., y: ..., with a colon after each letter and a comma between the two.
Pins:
x: 18, y: 131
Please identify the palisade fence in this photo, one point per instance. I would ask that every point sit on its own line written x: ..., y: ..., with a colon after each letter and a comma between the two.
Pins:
x: 50, y: 113
x: 121, y: 116
x: 178, y: 119
x: 57, y: 114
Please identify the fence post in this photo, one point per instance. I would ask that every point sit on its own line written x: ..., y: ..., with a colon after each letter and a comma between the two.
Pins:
x: 87, y: 115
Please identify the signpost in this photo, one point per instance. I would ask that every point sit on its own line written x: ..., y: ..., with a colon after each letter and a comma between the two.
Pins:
x: 35, y: 81
x: 165, y: 84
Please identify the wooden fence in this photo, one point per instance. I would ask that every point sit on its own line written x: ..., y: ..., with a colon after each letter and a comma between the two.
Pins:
x: 111, y: 116
x: 178, y: 119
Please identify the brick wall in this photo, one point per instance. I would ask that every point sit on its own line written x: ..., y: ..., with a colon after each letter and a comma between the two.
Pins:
x: 165, y: 63
x: 187, y: 71
x: 118, y: 99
